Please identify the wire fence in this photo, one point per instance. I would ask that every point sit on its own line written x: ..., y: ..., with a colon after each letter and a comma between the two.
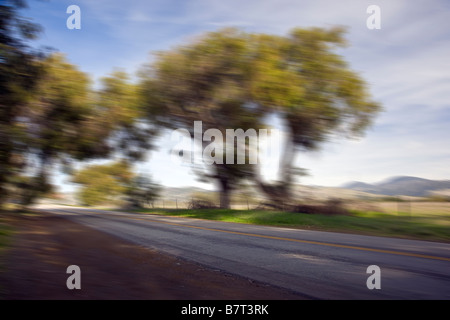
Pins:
x: 184, y: 203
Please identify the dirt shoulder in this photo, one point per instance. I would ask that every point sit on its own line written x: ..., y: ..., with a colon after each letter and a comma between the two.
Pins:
x: 44, y: 245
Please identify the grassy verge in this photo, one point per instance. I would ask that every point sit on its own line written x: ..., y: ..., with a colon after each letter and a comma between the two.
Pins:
x: 434, y: 227
x: 5, y: 233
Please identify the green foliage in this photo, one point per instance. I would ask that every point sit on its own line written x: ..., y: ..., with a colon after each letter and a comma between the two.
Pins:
x: 50, y: 114
x: 120, y: 111
x: 57, y: 123
x: 114, y: 183
x: 6, y: 231
x: 335, y: 98
x: 226, y: 79
x: 370, y: 223
x: 19, y: 73
x: 56, y: 116
x: 105, y: 183
x: 69, y: 120
x: 232, y: 79
x: 64, y: 120
x: 142, y: 191
x: 26, y: 189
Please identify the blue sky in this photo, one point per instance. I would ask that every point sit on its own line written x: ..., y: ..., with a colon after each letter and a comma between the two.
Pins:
x: 406, y: 64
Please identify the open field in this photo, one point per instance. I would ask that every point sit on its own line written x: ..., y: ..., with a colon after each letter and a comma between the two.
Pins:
x: 413, y: 220
x: 415, y: 207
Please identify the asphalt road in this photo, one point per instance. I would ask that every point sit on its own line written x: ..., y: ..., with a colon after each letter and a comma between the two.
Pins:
x: 319, y: 265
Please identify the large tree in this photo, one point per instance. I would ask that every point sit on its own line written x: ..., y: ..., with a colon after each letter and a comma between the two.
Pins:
x: 206, y: 81
x: 49, y: 112
x: 59, y: 122
x: 66, y: 120
x: 320, y: 96
x: 19, y: 74
x: 232, y: 79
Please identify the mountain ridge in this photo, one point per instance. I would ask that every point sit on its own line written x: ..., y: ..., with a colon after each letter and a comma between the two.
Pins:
x: 400, y: 185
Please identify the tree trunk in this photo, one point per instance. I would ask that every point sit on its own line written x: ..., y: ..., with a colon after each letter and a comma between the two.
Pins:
x: 281, y: 190
x: 3, y: 191
x: 225, y: 193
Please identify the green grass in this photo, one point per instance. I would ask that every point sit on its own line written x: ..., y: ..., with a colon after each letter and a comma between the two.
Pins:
x: 5, y: 233
x: 434, y: 227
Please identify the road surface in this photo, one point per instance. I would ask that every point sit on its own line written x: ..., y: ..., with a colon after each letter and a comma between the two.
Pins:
x: 319, y: 265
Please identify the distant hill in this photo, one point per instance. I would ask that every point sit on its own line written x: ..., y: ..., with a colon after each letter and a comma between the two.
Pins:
x: 403, y: 185
x: 360, y: 186
x: 394, y: 186
x: 184, y: 193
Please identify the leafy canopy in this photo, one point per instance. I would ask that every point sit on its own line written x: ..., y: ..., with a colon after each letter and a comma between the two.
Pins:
x: 233, y: 79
